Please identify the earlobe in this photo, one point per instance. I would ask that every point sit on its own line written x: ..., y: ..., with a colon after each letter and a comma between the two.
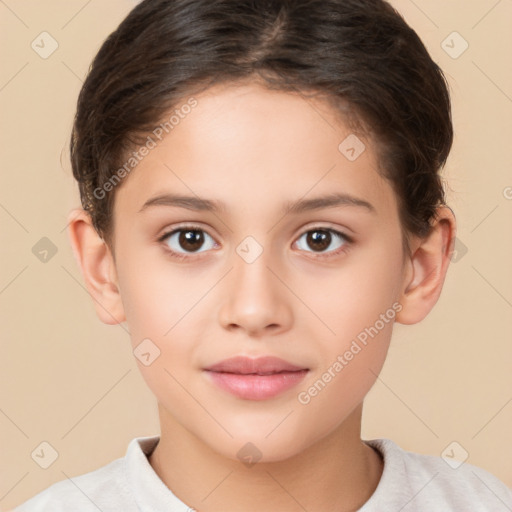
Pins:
x: 97, y: 265
x: 426, y: 269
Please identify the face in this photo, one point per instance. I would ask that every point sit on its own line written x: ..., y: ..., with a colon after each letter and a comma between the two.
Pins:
x: 315, y: 285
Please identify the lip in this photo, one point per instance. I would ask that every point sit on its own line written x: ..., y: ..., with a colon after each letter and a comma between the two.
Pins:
x: 255, y: 379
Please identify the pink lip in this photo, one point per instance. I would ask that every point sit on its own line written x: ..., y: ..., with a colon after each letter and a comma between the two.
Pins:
x: 260, y: 365
x: 255, y: 379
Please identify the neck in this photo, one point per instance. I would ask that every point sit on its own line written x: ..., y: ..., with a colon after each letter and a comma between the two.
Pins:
x: 338, y: 472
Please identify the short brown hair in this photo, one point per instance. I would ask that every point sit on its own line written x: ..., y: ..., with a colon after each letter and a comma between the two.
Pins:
x: 355, y: 53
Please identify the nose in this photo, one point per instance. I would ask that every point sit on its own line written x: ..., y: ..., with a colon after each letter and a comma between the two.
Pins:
x: 255, y: 299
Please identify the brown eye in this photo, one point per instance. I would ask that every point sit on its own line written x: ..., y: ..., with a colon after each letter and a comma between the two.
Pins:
x: 186, y: 240
x: 321, y: 239
x: 191, y: 240
x: 318, y: 240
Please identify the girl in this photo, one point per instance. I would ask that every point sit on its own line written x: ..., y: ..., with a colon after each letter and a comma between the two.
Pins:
x: 261, y: 203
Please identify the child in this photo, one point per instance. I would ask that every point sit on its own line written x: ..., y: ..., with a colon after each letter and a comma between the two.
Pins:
x: 215, y: 143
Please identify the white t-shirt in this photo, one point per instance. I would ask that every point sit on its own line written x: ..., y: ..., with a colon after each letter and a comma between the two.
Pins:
x: 409, y: 482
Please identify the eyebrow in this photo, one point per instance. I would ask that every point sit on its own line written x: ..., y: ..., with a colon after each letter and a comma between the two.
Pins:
x: 295, y: 207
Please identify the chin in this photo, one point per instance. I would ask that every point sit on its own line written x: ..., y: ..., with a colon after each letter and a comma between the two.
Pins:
x: 252, y: 445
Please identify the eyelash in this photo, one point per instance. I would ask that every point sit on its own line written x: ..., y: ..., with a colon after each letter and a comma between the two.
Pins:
x: 348, y: 241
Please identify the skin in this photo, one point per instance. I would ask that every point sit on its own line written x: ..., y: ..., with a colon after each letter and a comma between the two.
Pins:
x: 255, y: 149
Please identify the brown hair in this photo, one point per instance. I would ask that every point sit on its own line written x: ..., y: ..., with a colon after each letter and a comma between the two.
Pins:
x: 359, y: 54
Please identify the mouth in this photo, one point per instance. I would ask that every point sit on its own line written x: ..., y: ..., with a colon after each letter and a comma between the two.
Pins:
x: 255, y: 379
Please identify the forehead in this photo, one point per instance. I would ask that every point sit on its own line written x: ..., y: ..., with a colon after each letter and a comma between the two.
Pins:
x: 249, y: 147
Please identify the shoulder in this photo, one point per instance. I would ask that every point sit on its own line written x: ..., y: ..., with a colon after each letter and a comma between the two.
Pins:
x: 425, y: 482
x: 83, y: 493
x: 106, y: 489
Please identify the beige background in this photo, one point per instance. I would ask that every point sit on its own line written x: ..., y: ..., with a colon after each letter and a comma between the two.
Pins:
x: 71, y: 381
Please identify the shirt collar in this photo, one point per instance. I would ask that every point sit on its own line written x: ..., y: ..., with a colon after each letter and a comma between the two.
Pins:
x: 149, y: 491
x: 151, y: 494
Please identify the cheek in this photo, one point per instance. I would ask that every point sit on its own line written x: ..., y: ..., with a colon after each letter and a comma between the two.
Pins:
x: 347, y: 369
x: 165, y: 314
x: 358, y: 304
x: 328, y: 399
x: 158, y: 298
x: 354, y: 297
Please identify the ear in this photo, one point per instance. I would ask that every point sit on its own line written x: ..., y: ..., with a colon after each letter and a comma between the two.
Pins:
x: 97, y: 265
x: 425, y: 270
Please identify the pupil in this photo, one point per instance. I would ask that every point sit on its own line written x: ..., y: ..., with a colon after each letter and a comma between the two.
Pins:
x: 191, y: 240
x: 319, y: 239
